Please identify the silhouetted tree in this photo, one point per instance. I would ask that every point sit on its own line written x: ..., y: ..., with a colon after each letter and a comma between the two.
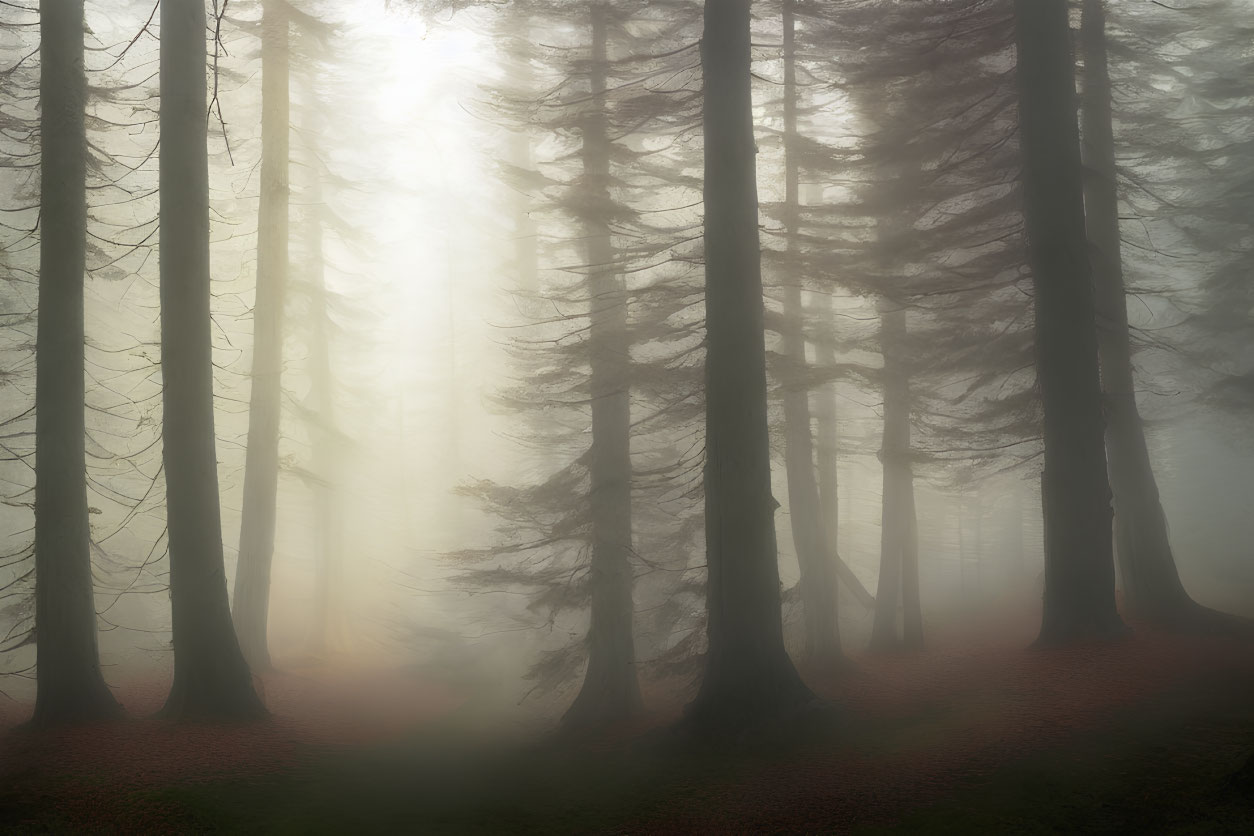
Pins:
x: 1151, y: 585
x: 261, y: 471
x: 1079, y: 566
x: 610, y: 688
x: 748, y: 676
x: 899, y: 556
x: 922, y: 232
x: 211, y: 677
x: 815, y: 553
x: 70, y: 685
x: 1181, y: 133
x: 591, y: 338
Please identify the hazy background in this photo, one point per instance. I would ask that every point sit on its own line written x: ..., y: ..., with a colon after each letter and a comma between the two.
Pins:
x: 417, y: 259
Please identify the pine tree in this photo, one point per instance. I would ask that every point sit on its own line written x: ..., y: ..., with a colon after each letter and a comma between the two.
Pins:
x: 596, y: 344
x: 610, y: 689
x: 70, y: 685
x: 261, y: 473
x: 211, y: 677
x: 1079, y: 566
x: 924, y: 239
x: 748, y: 676
x: 814, y: 547
x: 1151, y: 586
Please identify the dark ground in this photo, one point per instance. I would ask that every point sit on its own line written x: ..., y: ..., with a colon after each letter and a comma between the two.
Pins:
x: 977, y: 735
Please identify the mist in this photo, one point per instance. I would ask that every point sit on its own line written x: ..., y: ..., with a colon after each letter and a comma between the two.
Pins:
x: 453, y: 416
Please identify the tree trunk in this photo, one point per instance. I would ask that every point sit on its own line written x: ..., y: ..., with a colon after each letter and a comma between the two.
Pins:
x: 211, y: 678
x: 818, y: 588
x: 962, y: 546
x: 828, y: 442
x: 978, y: 500
x: 896, y: 518
x: 911, y: 598
x: 328, y: 626
x: 1079, y: 597
x: 748, y: 676
x: 1016, y: 532
x: 611, y: 690
x: 328, y: 634
x: 825, y: 414
x: 70, y: 685
x: 1151, y: 586
x: 261, y: 468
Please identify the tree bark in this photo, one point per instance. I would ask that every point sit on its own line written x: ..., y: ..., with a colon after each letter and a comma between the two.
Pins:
x: 611, y: 690
x: 898, y: 554
x: 911, y: 598
x: 1079, y: 596
x: 1151, y: 585
x: 818, y: 587
x: 749, y: 678
x: 261, y: 467
x: 70, y: 685
x: 977, y: 499
x: 828, y: 443
x: 211, y: 678
x: 1016, y: 531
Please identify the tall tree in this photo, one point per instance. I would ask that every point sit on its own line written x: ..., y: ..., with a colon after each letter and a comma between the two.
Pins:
x: 70, y: 685
x: 261, y: 469
x: 1079, y: 597
x: 211, y: 677
x: 326, y: 440
x: 565, y: 538
x: 925, y: 224
x: 1151, y: 584
x: 748, y: 675
x: 911, y: 594
x: 814, y: 554
x: 896, y: 596
x: 610, y: 688
x: 827, y: 444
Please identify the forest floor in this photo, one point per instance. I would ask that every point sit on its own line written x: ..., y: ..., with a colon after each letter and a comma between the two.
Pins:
x: 978, y: 734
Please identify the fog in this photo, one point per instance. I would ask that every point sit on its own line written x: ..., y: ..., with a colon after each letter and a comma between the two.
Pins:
x: 511, y: 375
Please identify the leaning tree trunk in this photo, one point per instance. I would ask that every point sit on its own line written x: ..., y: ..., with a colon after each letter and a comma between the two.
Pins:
x: 211, y: 678
x: 261, y: 468
x: 818, y: 587
x: 1151, y: 586
x: 748, y: 675
x: 611, y: 690
x: 70, y: 685
x: 1079, y: 598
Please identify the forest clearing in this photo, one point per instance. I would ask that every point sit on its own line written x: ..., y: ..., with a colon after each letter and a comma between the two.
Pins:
x: 1142, y: 735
